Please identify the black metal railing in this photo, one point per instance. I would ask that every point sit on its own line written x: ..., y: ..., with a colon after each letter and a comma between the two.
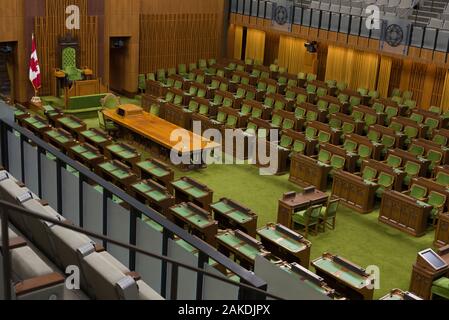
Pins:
x: 137, y: 210
x: 7, y: 209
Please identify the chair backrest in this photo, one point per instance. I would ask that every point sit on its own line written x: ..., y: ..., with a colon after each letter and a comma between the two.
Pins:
x: 68, y: 58
x: 369, y: 173
x: 101, y: 119
x: 442, y: 178
x: 314, y: 211
x: 332, y: 207
x: 417, y: 191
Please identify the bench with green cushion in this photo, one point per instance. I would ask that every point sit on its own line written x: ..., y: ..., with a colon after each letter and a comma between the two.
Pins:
x: 440, y: 288
x: 85, y: 106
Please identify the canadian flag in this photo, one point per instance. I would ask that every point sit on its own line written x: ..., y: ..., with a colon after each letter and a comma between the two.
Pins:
x: 35, y: 71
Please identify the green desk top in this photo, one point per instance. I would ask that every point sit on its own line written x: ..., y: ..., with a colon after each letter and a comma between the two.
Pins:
x: 152, y: 193
x: 35, y: 123
x: 152, y: 168
x: 146, y: 165
x: 308, y: 282
x: 30, y: 120
x: 282, y: 240
x: 116, y: 148
x: 341, y: 273
x: 240, y: 246
x: 88, y: 133
x: 70, y: 123
x: 157, y: 195
x: 120, y: 174
x: 238, y: 216
x: 159, y: 172
x: 142, y: 187
x: 194, y: 218
x: 189, y: 189
x: 19, y: 112
x: 90, y: 155
x: 78, y: 149
x: 125, y: 154
x: 229, y: 211
x: 108, y: 166
x: 222, y: 207
x: 181, y: 184
x: 53, y: 133
x: 98, y: 139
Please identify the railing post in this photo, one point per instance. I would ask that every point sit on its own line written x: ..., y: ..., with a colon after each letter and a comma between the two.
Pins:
x: 202, y: 261
x: 106, y: 195
x: 4, y: 143
x: 40, y: 152
x: 6, y: 255
x: 174, y: 282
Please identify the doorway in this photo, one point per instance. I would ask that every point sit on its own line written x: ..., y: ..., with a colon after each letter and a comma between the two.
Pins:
x: 118, y: 53
x: 7, y: 67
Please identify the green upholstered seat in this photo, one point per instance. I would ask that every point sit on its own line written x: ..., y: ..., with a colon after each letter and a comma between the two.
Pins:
x: 437, y: 201
x: 311, y: 88
x: 347, y: 127
x: 440, y: 139
x: 286, y: 141
x: 385, y: 181
x: 418, y: 192
x: 435, y: 109
x: 411, y: 132
x: 279, y: 105
x: 244, y: 80
x: 269, y: 102
x: 322, y: 105
x: 231, y: 121
x: 357, y: 115
x: 334, y: 108
x: 308, y: 218
x: 418, y: 118
x: 373, y: 135
x: 169, y: 96
x: 221, y: 73
x: 364, y: 151
x: 324, y: 137
x: 155, y: 109
x: 321, y: 92
x: 215, y: 84
x: 379, y: 107
x: 193, y: 106
x: 343, y: 98
x: 69, y: 64
x: 227, y: 102
x: 200, y: 78
x: 204, y: 109
x: 342, y: 86
x: 335, y: 123
x: 288, y: 124
x: 337, y: 162
x: 271, y: 89
x: 292, y: 83
x: 256, y: 113
x: 310, y: 133
x: 177, y: 100
x: 331, y: 83
x: 160, y: 75
x: 311, y: 77
x: 398, y: 100
x: 221, y: 116
x: 201, y: 93
x: 240, y: 67
x: 202, y: 64
x: 289, y: 94
x: 388, y: 141
x: 391, y: 112
x: 407, y: 95
x: 235, y: 78
x: 223, y: 86
x: 432, y: 123
x: 255, y: 73
x: 251, y: 128
x: 442, y: 178
x: 416, y: 149
x: 396, y: 92
x: 396, y: 126
x: 440, y: 288
x: 311, y: 115
x: 106, y: 125
x: 282, y: 80
x: 362, y: 91
x: 276, y: 120
x: 171, y: 72
x: 193, y: 90
x: 369, y: 174
x: 301, y: 98
x: 328, y: 214
x: 354, y: 101
x: 246, y: 109
x: 350, y: 145
x: 299, y: 146
x: 412, y: 170
x: 324, y: 156
x: 192, y: 66
x: 142, y: 82
x: 370, y: 120
x: 300, y: 113
x: 182, y: 69
x: 394, y: 161
x: 151, y: 76
x: 373, y: 94
x: 435, y: 157
x: 261, y: 86
x: 218, y: 99
x: 264, y: 75
x: 301, y: 76
x: 274, y: 67
x: 170, y: 82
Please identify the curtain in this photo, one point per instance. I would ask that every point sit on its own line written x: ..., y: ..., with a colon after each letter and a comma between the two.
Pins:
x: 383, y: 82
x: 238, y: 42
x: 255, y: 45
x: 294, y: 56
x: 356, y: 68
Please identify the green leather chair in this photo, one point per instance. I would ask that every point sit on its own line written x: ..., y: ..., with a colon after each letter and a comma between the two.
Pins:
x: 106, y: 125
x: 307, y: 219
x: 328, y: 214
x: 69, y: 64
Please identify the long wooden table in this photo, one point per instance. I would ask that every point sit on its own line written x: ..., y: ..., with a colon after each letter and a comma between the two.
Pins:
x: 186, y: 144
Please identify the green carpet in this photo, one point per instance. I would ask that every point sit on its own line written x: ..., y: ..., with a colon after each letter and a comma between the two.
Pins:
x: 359, y: 238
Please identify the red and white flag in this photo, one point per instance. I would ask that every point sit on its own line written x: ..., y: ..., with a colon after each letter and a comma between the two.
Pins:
x: 35, y: 71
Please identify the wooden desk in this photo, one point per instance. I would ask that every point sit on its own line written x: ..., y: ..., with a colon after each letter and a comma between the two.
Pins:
x: 232, y: 215
x: 285, y: 243
x: 36, y: 124
x: 190, y: 190
x: 117, y: 173
x: 71, y: 124
x: 293, y: 202
x: 442, y: 230
x: 425, y: 271
x: 59, y: 138
x: 197, y: 220
x: 95, y: 137
x: 152, y: 194
x: 398, y: 294
x: 86, y: 154
x: 156, y: 170
x: 159, y: 131
x: 404, y: 213
x: 305, y: 171
x: 354, y: 192
x: 177, y: 115
x: 243, y: 247
x: 345, y: 277
x: 123, y: 153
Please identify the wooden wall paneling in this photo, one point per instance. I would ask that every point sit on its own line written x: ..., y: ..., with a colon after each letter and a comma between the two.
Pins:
x: 437, y: 90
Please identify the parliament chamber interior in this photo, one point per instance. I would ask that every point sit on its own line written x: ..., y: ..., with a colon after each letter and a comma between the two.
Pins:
x: 138, y: 139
